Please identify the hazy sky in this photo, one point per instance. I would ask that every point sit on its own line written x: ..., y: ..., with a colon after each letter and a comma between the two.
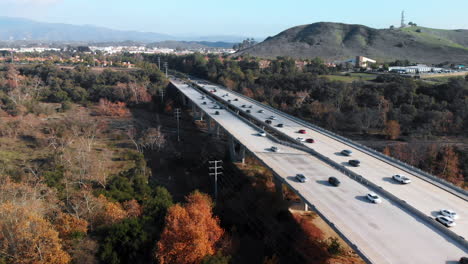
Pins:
x: 251, y: 18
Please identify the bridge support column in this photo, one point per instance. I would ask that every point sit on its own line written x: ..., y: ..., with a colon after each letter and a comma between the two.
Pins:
x: 208, y: 124
x: 278, y: 186
x: 242, y: 154
x: 232, y: 148
x: 216, y: 130
x: 236, y: 150
x: 183, y: 99
x: 194, y: 111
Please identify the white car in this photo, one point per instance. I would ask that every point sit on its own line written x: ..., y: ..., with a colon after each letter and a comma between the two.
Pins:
x: 449, y: 213
x: 445, y: 220
x: 272, y: 117
x: 374, y: 198
x: 262, y: 133
x: 401, y: 179
x: 274, y: 149
x: 300, y: 139
x: 300, y: 177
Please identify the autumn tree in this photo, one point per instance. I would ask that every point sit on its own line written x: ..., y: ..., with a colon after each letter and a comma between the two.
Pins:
x: 392, y: 129
x: 27, y: 238
x: 191, y: 231
x: 68, y: 225
x: 448, y: 165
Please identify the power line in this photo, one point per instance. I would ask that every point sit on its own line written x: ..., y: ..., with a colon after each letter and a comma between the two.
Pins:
x: 177, y: 116
x: 215, y: 173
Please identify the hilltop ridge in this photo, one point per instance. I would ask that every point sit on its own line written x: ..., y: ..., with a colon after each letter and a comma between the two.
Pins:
x: 338, y: 41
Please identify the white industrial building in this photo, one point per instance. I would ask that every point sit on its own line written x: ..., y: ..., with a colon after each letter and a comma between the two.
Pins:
x: 420, y: 68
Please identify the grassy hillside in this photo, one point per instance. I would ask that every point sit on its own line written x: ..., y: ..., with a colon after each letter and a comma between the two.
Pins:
x: 336, y: 41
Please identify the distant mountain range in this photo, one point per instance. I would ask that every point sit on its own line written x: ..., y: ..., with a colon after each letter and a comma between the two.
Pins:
x: 337, y: 41
x: 19, y: 29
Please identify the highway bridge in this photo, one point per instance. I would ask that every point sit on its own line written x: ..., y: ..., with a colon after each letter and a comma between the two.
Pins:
x: 399, y: 230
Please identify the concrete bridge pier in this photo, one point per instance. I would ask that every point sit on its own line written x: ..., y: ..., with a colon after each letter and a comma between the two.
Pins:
x: 236, y: 150
x: 278, y: 186
x: 183, y: 99
x: 208, y: 124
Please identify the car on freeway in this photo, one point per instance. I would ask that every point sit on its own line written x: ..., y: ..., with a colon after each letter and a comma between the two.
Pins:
x: 204, y: 103
x: 300, y: 139
x: 268, y: 121
x: 354, y: 163
x: 226, y: 94
x: 260, y: 111
x: 310, y: 140
x: 235, y: 99
x: 301, y: 178
x: 302, y: 131
x: 346, y: 152
x: 334, y: 181
x: 229, y: 100
x: 374, y: 198
x: 272, y: 117
x: 203, y: 97
x: 401, y: 179
x: 274, y: 149
x: 280, y: 125
x: 216, y: 113
x: 248, y: 111
x: 446, y: 221
x: 450, y: 213
x: 243, y: 106
x: 250, y: 106
x: 262, y: 133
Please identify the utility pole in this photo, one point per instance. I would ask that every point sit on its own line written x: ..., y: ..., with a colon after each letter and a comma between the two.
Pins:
x: 159, y: 62
x: 177, y: 116
x: 215, y: 173
x: 162, y: 92
x: 165, y: 66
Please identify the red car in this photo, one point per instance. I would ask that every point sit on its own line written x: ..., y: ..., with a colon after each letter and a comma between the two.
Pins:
x: 310, y: 140
x: 302, y: 131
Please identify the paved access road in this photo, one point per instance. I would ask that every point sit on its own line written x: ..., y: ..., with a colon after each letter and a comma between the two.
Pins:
x: 421, y: 194
x: 384, y: 232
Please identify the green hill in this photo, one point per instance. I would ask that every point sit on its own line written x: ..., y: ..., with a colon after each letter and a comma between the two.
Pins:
x: 336, y: 41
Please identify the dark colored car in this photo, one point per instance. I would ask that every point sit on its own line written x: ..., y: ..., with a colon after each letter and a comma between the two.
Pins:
x: 280, y: 125
x: 235, y: 99
x: 354, y: 163
x: 334, y: 181
x: 310, y: 140
x: 248, y: 111
x: 217, y: 113
x: 346, y: 152
x: 302, y: 131
x: 268, y: 121
x: 244, y: 106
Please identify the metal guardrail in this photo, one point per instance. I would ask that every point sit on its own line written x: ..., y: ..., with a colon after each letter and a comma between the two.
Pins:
x: 359, y: 178
x: 418, y: 172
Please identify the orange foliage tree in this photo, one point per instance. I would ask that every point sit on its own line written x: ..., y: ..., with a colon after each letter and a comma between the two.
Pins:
x: 392, y: 129
x: 67, y: 225
x: 27, y: 238
x: 191, y: 231
x: 107, y: 108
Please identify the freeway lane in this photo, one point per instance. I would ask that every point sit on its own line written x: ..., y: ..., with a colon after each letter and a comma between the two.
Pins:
x: 384, y: 232
x: 421, y: 194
